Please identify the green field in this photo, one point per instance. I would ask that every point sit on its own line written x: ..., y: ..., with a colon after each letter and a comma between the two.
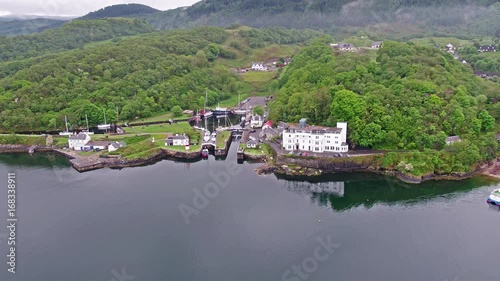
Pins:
x: 175, y: 128
x: 222, y: 138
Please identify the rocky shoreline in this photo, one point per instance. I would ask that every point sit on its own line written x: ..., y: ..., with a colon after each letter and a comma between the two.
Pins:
x: 290, y: 166
x: 318, y: 166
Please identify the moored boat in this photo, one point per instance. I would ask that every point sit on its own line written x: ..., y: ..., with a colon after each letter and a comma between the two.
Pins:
x: 494, y: 198
x: 204, y: 153
x: 219, y: 111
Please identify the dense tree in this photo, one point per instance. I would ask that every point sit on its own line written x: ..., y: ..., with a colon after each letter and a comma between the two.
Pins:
x: 412, y: 98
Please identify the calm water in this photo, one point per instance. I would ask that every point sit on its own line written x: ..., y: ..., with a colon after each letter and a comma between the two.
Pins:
x: 91, y: 226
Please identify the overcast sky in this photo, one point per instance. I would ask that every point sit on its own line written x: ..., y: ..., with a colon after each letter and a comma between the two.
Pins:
x: 77, y: 7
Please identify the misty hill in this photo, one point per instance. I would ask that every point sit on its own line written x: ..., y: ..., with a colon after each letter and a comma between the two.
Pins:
x: 23, y: 27
x: 386, y: 17
x: 70, y: 36
x: 122, y: 10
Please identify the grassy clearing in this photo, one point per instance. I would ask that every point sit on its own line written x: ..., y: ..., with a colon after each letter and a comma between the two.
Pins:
x: 441, y: 41
x: 257, y: 78
x: 255, y: 151
x: 175, y: 128
x: 222, y: 138
x: 160, y: 118
x: 23, y: 140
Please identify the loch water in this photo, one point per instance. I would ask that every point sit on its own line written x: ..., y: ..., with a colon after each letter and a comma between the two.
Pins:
x: 217, y: 220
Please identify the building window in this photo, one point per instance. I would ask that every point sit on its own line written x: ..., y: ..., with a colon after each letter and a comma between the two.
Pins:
x: 316, y: 148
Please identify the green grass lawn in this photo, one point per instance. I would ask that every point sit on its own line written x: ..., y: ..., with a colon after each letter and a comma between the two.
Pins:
x: 441, y: 41
x: 222, y: 138
x: 257, y: 78
x: 23, y: 139
x: 255, y: 151
x: 175, y: 128
x: 160, y: 118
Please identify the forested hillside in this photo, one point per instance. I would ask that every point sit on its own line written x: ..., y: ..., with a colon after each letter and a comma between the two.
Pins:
x: 140, y: 76
x: 397, y: 18
x: 123, y: 10
x: 411, y: 97
x: 23, y: 27
x: 70, y: 36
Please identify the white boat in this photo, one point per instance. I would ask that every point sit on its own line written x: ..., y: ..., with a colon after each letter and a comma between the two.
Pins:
x: 214, y: 137
x: 240, y: 111
x: 104, y: 126
x: 494, y: 198
x: 67, y: 132
x: 207, y: 136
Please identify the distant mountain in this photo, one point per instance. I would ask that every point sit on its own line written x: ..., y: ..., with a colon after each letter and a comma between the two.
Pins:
x: 385, y: 17
x: 122, y: 10
x: 23, y: 27
x: 73, y: 35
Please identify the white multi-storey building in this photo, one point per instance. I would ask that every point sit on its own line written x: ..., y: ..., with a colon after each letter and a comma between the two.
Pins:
x: 315, y: 138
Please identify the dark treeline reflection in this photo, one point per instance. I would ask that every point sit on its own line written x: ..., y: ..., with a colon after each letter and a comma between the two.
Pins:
x: 45, y: 160
x: 342, y: 192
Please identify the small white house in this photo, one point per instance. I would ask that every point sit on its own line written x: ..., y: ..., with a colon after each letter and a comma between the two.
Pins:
x: 453, y: 139
x: 259, y: 66
x: 252, y: 144
x: 376, y: 44
x: 76, y: 142
x: 177, y: 140
x: 114, y: 146
x: 256, y: 121
x: 95, y: 145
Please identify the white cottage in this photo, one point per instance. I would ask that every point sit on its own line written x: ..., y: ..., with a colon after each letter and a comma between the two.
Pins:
x: 76, y: 142
x: 177, y: 140
x: 315, y: 138
x: 260, y: 66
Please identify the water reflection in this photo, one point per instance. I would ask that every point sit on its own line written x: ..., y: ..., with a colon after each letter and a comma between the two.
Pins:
x: 38, y: 160
x: 346, y: 191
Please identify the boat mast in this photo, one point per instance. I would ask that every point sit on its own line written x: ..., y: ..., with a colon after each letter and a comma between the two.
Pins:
x: 87, y: 119
x: 66, y: 122
x: 104, y: 111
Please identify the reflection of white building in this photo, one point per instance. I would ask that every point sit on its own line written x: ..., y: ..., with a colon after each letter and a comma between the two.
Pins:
x: 315, y: 138
x: 334, y: 188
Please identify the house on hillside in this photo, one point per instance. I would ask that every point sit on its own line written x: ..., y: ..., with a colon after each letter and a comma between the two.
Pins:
x: 453, y: 139
x: 450, y: 49
x: 346, y: 47
x: 177, y: 140
x: 487, y: 48
x: 317, y: 139
x: 259, y: 66
x: 376, y: 44
x: 76, y: 142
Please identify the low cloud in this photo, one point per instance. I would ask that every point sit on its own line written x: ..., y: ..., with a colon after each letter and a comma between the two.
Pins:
x: 77, y: 8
